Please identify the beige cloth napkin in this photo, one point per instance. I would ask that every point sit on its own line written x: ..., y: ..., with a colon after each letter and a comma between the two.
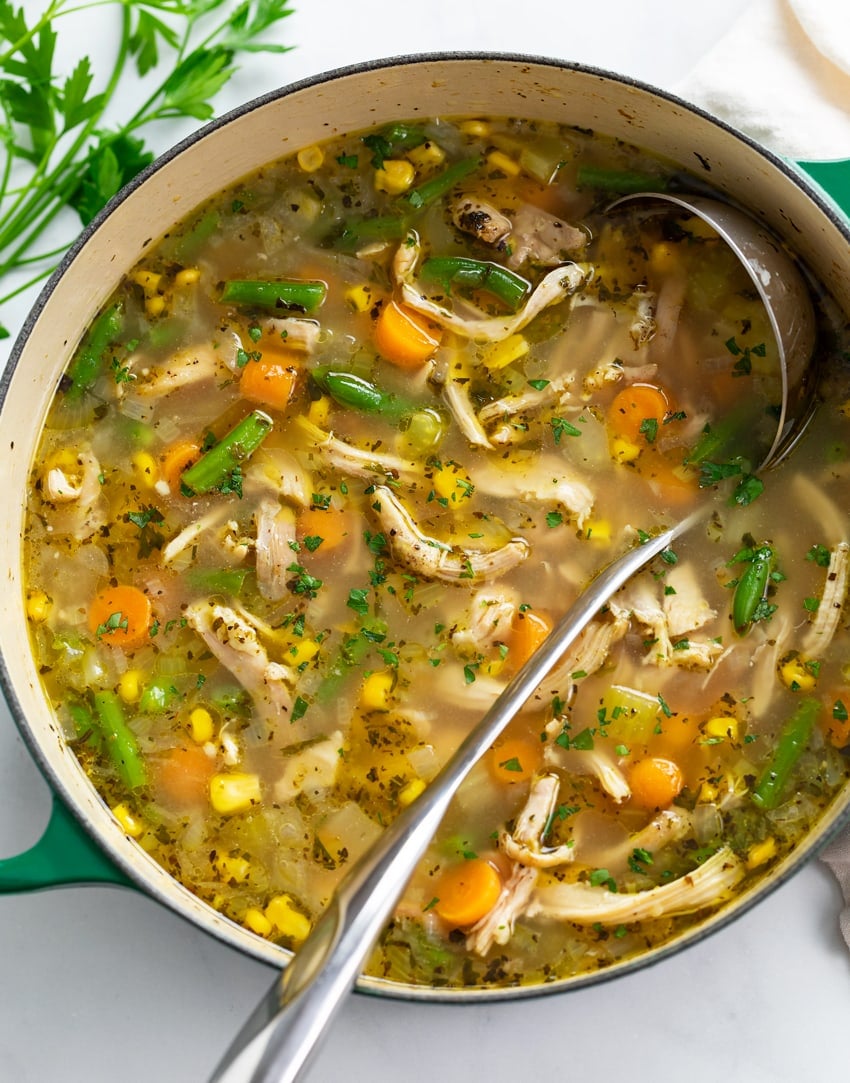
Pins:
x: 782, y: 76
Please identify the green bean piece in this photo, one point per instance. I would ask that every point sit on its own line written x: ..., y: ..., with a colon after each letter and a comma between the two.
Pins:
x: 158, y: 695
x: 90, y: 360
x: 438, y: 186
x: 119, y: 740
x: 477, y: 274
x: 218, y: 580
x: 358, y: 232
x: 752, y: 588
x: 287, y: 293
x: 392, y: 139
x: 623, y: 181
x: 349, y: 389
x: 220, y: 468
x: 789, y: 748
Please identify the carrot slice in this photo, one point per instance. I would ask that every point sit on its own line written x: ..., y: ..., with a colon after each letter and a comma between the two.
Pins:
x: 515, y: 759
x: 465, y: 893
x: 655, y: 782
x: 175, y: 459
x: 405, y: 337
x: 528, y: 630
x: 121, y: 616
x: 270, y: 379
x: 182, y: 776
x: 634, y: 408
x: 332, y: 525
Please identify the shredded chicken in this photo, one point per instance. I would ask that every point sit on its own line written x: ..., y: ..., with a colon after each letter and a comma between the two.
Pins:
x: 556, y: 286
x: 524, y: 844
x: 685, y: 607
x: 542, y: 238
x: 235, y: 642
x: 585, y: 904
x: 193, y: 365
x: 435, y: 559
x: 79, y: 507
x: 358, y: 462
x: 480, y: 219
x: 638, y: 600
x: 295, y: 331
x: 497, y: 926
x: 456, y: 397
x: 190, y: 534
x: 311, y: 770
x: 591, y: 761
x: 825, y: 625
x: 488, y: 622
x: 545, y: 480
x: 274, y: 547
x: 587, y: 655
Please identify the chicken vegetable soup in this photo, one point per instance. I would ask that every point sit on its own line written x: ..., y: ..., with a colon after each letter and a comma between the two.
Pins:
x: 325, y: 471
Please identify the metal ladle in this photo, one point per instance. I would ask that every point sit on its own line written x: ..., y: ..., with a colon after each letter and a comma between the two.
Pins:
x: 279, y: 1037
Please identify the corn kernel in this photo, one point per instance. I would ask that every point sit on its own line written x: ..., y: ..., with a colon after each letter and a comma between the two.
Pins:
x: 708, y: 793
x: 475, y: 127
x: 145, y: 466
x: 303, y: 651
x: 148, y: 280
x: 761, y: 852
x: 257, y: 922
x: 598, y: 530
x: 796, y: 676
x: 320, y: 411
x: 395, y: 176
x: 624, y: 451
x: 310, y: 158
x: 201, y: 725
x: 130, y: 823
x: 63, y: 460
x: 360, y: 298
x: 426, y: 156
x: 494, y: 666
x: 408, y: 794
x: 376, y: 693
x: 232, y: 869
x: 38, y: 606
x: 235, y: 791
x: 451, y: 485
x: 724, y: 727
x: 286, y: 919
x: 505, y: 352
x: 187, y: 277
x: 496, y: 159
x: 155, y: 306
x: 130, y: 685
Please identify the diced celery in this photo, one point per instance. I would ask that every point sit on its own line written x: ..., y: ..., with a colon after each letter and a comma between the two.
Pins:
x: 631, y: 716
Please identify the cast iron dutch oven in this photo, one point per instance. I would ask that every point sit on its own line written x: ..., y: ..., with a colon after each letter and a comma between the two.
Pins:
x: 805, y: 203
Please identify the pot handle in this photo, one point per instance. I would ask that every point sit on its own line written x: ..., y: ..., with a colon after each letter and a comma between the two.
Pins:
x: 834, y: 178
x: 65, y: 854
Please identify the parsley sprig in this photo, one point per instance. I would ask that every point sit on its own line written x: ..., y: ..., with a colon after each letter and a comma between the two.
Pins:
x: 61, y: 151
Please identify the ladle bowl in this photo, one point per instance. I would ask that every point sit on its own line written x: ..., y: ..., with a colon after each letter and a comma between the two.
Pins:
x: 283, y: 1032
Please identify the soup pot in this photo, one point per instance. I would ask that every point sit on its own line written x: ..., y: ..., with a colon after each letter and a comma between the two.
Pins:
x: 805, y: 205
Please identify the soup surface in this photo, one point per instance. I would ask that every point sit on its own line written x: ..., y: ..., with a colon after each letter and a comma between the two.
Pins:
x: 322, y: 476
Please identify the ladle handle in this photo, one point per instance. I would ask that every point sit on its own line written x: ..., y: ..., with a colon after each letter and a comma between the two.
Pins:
x: 278, y: 1040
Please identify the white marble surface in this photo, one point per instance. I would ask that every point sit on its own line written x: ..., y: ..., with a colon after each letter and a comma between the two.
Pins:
x: 103, y: 985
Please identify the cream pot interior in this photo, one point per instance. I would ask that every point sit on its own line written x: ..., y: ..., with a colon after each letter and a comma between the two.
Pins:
x: 242, y: 142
